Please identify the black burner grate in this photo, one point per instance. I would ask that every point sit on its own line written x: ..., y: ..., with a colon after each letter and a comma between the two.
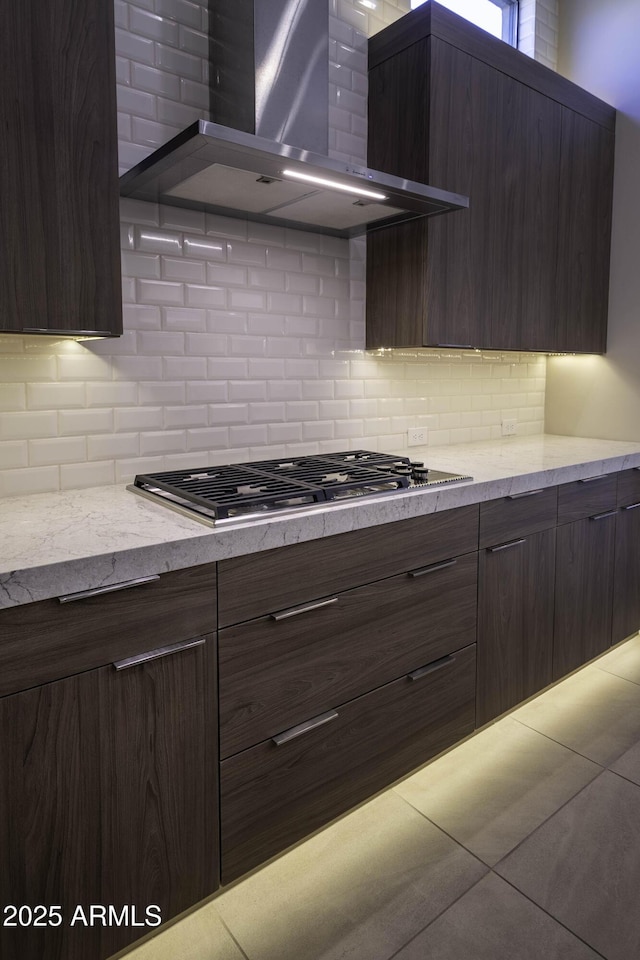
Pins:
x: 237, y: 489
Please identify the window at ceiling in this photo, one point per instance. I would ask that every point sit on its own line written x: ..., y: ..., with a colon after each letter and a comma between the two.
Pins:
x: 499, y: 17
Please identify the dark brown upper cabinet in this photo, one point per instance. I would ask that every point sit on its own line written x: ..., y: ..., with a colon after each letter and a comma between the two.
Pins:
x: 526, y: 267
x: 59, y: 215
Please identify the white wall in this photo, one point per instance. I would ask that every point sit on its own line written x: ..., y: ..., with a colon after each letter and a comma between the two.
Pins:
x: 241, y: 340
x: 600, y: 396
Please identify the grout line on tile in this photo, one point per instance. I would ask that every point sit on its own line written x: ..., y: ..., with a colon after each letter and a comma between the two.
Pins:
x: 561, y: 744
x: 551, y: 816
x: 431, y: 922
x: 551, y: 916
x: 442, y: 830
x: 232, y: 935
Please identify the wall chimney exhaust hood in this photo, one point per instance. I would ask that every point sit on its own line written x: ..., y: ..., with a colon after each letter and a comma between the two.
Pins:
x: 265, y: 156
x: 216, y: 168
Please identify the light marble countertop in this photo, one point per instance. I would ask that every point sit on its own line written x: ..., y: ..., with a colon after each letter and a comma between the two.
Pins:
x: 57, y: 543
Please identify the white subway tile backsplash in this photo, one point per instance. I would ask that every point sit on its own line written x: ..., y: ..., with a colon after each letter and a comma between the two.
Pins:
x: 205, y: 248
x: 159, y: 291
x: 187, y: 319
x: 14, y: 483
x: 185, y: 368
x: 205, y: 344
x: 183, y: 270
x: 118, y: 393
x: 84, y: 422
x: 13, y: 396
x: 13, y: 454
x: 74, y: 476
x: 112, y: 446
x: 209, y: 438
x: 163, y: 392
x: 198, y: 295
x: 186, y: 416
x: 137, y: 418
x: 226, y: 273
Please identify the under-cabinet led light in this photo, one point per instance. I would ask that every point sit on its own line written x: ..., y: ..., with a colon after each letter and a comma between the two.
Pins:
x: 333, y: 184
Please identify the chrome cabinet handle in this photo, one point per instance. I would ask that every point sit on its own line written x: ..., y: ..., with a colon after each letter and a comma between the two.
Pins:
x: 458, y: 346
x: 633, y: 506
x: 591, y: 479
x: 527, y: 493
x: 437, y: 566
x: 506, y: 546
x: 112, y: 588
x: 295, y: 611
x: 431, y: 667
x: 159, y: 652
x: 601, y: 516
x: 302, y: 728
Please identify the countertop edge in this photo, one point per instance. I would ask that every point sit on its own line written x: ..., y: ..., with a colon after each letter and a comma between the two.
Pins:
x: 188, y: 543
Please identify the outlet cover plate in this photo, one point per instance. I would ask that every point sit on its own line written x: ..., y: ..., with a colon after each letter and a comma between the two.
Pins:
x: 416, y: 436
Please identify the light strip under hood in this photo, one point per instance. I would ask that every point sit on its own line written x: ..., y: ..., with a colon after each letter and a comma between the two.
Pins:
x: 216, y: 168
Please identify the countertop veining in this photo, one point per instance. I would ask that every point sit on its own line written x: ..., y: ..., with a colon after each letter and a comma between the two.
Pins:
x: 57, y: 543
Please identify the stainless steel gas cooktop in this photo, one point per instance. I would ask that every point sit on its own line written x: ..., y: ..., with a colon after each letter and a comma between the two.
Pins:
x: 245, y: 491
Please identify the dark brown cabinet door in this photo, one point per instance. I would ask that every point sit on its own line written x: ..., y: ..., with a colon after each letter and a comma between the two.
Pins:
x: 60, y: 266
x: 515, y: 622
x: 524, y: 235
x: 108, y: 797
x: 526, y: 266
x: 463, y: 143
x: 585, y: 233
x: 584, y: 591
x: 626, y: 589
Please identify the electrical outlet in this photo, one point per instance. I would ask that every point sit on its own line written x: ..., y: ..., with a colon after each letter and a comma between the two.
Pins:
x: 509, y: 428
x: 416, y: 436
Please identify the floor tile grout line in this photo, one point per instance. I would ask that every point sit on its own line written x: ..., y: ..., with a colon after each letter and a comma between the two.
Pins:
x: 231, y: 934
x: 550, y: 915
x: 615, y: 773
x: 566, y: 746
x: 443, y: 911
x: 530, y: 834
x: 612, y: 674
x: 547, y: 819
x: 437, y: 826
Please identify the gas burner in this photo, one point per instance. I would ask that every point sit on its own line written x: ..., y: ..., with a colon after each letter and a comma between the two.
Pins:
x: 243, y: 491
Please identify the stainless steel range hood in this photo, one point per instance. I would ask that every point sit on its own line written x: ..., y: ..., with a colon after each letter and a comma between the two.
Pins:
x: 216, y: 168
x: 269, y: 62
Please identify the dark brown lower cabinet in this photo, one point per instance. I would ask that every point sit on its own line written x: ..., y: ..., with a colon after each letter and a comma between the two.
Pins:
x: 515, y: 621
x: 282, y: 789
x: 626, y: 590
x: 584, y: 591
x: 108, y: 797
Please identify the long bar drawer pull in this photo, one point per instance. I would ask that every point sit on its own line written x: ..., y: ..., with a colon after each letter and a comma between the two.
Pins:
x: 302, y: 728
x: 632, y: 506
x: 601, y: 516
x: 527, y: 493
x: 457, y: 346
x: 591, y: 479
x: 294, y: 611
x: 431, y: 667
x: 112, y: 588
x: 437, y: 566
x: 159, y: 652
x: 506, y: 546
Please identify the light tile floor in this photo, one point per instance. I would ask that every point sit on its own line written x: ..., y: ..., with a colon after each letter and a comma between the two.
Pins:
x: 522, y: 843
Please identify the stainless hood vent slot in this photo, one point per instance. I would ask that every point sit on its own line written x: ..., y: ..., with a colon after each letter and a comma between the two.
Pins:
x: 269, y: 64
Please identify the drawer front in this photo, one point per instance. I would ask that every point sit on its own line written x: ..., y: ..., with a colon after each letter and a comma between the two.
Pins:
x: 49, y: 640
x: 275, y: 672
x: 518, y: 515
x: 585, y: 498
x: 629, y: 487
x: 255, y: 585
x: 272, y: 796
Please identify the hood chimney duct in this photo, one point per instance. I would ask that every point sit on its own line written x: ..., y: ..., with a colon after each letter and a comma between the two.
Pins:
x: 269, y: 63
